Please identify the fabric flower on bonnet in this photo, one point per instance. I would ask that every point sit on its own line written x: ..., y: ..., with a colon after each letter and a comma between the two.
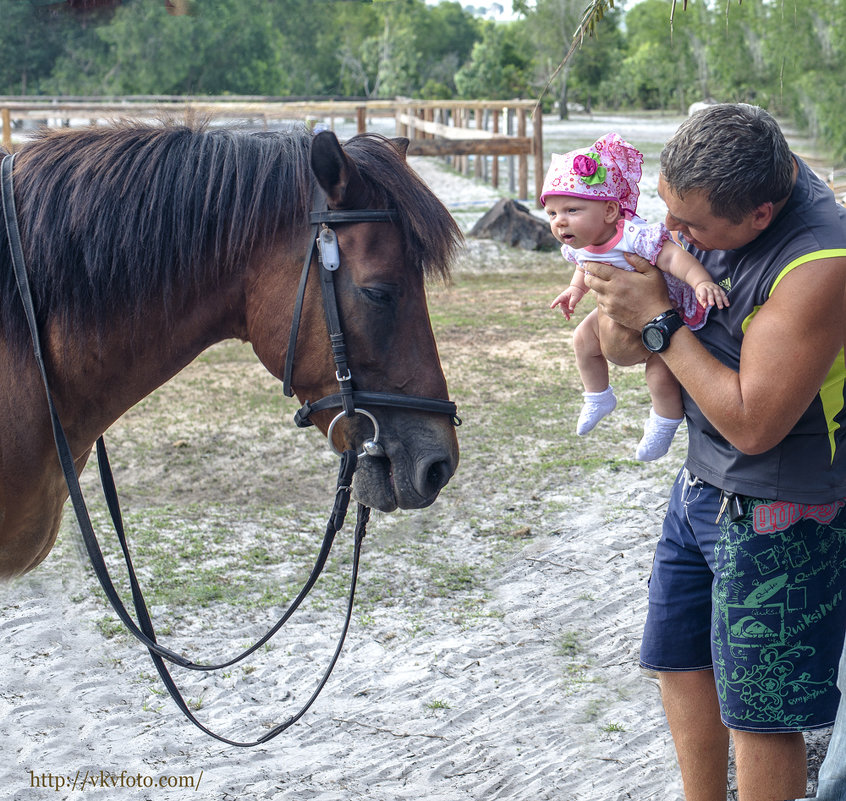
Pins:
x: 589, y: 169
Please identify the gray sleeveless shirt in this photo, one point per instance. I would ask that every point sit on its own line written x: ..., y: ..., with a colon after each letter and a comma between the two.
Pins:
x: 809, y: 464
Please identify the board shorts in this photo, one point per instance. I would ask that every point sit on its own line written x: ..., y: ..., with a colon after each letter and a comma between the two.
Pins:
x: 758, y: 599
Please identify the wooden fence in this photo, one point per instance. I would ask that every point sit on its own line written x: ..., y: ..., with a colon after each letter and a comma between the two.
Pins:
x: 474, y: 135
x: 481, y: 131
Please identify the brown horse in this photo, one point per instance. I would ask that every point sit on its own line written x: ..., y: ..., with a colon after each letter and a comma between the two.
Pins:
x: 146, y: 244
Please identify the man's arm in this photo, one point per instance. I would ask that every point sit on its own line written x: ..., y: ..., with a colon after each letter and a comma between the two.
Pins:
x: 787, y: 350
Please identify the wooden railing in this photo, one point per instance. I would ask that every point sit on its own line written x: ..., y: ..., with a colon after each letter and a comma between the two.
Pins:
x: 474, y: 129
x: 473, y: 135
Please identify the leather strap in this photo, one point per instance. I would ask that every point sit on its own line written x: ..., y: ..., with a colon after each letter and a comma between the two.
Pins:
x: 362, y: 399
x: 347, y: 398
x: 143, y: 630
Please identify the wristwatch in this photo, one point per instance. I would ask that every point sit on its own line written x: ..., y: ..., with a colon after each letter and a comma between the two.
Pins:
x: 657, y: 332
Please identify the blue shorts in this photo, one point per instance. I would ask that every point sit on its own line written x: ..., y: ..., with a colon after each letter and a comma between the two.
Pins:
x: 759, y: 599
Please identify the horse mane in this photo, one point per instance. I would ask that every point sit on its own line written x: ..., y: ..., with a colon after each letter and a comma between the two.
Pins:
x: 114, y: 217
x: 431, y: 235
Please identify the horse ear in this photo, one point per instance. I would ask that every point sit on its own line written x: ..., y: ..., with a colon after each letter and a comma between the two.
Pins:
x: 401, y: 144
x: 334, y: 170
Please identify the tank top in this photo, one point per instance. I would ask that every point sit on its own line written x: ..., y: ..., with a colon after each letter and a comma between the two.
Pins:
x: 809, y: 464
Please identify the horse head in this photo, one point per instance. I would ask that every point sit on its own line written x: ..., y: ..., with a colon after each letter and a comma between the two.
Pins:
x: 389, y: 344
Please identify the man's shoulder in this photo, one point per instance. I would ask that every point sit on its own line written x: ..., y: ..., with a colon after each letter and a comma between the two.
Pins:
x: 814, y: 207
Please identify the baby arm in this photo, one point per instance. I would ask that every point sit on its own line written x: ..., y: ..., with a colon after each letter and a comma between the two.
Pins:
x: 570, y: 297
x: 677, y: 261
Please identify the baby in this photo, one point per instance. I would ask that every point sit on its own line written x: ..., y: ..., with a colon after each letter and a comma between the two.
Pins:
x: 591, y: 197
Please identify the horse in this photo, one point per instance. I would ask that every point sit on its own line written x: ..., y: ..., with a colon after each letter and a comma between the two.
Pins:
x: 145, y: 243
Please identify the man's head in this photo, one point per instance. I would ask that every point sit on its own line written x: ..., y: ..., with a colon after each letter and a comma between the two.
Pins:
x: 729, y: 161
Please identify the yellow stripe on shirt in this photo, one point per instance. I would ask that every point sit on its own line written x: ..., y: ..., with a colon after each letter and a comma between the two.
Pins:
x: 831, y: 392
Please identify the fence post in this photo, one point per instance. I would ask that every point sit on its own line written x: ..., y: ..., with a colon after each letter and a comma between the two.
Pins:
x: 360, y: 119
x: 537, y: 148
x: 522, y: 159
x: 495, y: 159
x: 509, y: 129
x: 7, y: 130
x: 478, y: 158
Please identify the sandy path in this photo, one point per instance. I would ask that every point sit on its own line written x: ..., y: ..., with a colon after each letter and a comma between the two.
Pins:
x: 537, y: 700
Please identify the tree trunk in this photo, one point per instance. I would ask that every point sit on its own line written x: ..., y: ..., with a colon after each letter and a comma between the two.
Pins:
x: 563, y: 111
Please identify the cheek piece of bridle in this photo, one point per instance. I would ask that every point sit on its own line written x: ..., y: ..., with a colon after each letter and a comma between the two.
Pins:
x: 351, y: 401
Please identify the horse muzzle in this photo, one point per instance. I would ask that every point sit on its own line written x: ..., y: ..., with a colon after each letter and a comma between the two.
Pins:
x: 405, y: 470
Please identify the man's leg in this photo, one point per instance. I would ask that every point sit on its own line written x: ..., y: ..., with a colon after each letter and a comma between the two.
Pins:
x: 701, y: 739
x: 770, y: 767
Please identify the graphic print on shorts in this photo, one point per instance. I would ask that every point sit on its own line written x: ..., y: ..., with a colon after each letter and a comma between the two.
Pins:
x: 779, y: 615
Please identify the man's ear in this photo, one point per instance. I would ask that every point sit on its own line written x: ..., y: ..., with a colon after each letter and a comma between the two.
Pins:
x: 762, y: 216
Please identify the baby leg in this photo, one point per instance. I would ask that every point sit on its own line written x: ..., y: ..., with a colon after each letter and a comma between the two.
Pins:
x: 666, y: 413
x: 593, y: 369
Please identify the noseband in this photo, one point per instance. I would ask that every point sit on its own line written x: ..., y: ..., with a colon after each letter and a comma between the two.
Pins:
x: 352, y: 401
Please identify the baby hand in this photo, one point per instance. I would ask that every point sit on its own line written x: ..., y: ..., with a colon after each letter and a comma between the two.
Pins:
x: 710, y: 294
x: 568, y: 300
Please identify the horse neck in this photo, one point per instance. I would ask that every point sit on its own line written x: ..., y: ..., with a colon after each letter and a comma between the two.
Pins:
x: 98, y: 378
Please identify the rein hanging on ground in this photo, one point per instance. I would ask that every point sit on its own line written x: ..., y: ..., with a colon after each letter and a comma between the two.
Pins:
x: 351, y: 401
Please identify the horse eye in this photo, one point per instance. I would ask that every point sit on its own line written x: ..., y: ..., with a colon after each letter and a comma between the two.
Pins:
x: 383, y: 297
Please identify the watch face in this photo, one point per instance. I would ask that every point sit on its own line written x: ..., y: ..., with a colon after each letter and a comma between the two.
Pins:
x: 653, y: 338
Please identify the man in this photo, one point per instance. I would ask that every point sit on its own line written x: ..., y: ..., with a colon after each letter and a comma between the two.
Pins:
x: 746, y: 612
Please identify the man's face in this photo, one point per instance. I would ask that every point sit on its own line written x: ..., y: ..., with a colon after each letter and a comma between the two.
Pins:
x: 693, y: 218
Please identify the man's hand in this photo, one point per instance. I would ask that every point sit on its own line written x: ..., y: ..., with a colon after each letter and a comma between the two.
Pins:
x: 631, y: 299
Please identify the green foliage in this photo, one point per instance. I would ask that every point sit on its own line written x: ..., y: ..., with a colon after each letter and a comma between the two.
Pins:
x: 30, y: 36
x: 786, y: 55
x: 499, y: 65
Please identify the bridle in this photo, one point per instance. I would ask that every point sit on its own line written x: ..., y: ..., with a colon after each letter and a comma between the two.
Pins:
x: 351, y: 401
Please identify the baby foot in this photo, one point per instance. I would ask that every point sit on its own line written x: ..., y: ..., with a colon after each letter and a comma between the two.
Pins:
x: 597, y: 405
x: 658, y: 433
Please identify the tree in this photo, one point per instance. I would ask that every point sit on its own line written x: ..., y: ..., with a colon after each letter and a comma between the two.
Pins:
x: 661, y: 67
x: 30, y: 38
x: 596, y: 64
x: 499, y: 66
x: 444, y: 37
x: 551, y: 24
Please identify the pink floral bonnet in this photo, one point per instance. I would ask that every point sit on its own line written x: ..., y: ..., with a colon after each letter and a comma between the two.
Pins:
x: 608, y: 170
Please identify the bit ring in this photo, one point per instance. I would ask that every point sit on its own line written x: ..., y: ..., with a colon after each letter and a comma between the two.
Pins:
x: 370, y: 445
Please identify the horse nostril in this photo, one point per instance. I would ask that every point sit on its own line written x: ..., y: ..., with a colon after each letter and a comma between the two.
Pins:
x: 438, y: 474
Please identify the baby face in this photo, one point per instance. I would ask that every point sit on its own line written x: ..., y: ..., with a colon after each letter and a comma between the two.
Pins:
x: 578, y: 222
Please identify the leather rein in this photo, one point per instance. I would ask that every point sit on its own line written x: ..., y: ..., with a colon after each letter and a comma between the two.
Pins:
x: 351, y: 402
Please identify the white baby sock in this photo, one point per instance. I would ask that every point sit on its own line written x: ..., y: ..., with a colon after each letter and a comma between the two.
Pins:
x: 596, y: 406
x: 658, y: 433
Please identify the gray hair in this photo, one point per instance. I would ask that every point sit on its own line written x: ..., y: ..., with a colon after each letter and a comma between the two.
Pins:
x: 735, y: 154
